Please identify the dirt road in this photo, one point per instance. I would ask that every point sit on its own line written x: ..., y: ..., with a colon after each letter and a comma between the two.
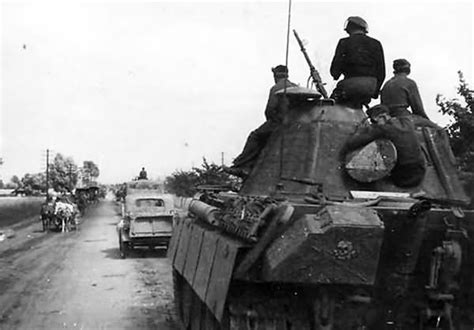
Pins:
x: 77, y: 280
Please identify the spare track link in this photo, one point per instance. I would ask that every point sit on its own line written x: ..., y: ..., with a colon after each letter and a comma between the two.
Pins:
x: 244, y: 216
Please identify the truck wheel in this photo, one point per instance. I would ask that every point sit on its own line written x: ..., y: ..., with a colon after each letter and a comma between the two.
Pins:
x: 45, y: 224
x: 123, y: 247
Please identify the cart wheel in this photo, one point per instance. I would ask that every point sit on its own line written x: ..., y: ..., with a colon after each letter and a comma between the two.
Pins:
x: 123, y: 247
x: 47, y: 224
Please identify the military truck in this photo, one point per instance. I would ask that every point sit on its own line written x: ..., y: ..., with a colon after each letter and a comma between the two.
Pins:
x: 147, y: 221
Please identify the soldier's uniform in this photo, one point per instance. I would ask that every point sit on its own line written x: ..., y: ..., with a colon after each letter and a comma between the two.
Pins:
x: 361, y: 60
x: 410, y: 167
x: 273, y: 109
x: 274, y: 114
x: 142, y: 175
x: 401, y: 92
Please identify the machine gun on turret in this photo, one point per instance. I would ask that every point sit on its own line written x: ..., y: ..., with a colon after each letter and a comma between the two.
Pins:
x: 314, y: 74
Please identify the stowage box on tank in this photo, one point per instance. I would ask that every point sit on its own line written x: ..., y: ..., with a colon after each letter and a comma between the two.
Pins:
x: 339, y: 244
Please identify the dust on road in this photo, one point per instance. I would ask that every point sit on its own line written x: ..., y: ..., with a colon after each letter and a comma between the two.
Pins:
x: 78, y: 281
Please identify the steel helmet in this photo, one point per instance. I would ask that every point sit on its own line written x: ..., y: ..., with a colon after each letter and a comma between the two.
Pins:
x: 280, y: 71
x: 358, y: 21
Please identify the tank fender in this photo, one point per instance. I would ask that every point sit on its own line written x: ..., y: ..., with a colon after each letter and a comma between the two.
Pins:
x: 206, y: 260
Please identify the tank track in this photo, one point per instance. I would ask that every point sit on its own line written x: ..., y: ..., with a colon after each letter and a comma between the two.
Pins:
x: 251, y: 306
x: 245, y: 310
x: 258, y: 309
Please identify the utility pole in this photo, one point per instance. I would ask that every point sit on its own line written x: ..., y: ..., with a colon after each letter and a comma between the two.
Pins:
x: 70, y: 176
x: 47, y: 173
x: 222, y: 158
x: 1, y: 163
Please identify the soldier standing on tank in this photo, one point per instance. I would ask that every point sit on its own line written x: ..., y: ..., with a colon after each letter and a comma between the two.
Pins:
x: 400, y: 93
x: 274, y: 113
x: 361, y: 60
x: 410, y: 167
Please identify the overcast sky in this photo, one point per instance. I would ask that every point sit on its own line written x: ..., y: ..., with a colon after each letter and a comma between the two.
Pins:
x: 162, y: 84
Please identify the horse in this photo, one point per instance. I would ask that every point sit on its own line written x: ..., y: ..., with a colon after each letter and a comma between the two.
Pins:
x: 66, y: 213
x: 47, y: 214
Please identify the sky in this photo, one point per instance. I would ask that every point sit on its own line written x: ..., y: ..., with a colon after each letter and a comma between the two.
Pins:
x: 162, y: 84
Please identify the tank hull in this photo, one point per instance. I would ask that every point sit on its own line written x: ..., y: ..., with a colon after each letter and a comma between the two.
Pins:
x: 205, y: 262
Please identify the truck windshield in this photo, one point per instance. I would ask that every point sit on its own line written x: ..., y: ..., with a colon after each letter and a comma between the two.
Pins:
x: 149, y: 202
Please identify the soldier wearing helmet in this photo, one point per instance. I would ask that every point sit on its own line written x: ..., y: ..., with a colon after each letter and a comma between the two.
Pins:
x: 361, y: 60
x: 274, y: 118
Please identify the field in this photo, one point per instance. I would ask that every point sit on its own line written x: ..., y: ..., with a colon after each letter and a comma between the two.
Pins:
x: 17, y: 209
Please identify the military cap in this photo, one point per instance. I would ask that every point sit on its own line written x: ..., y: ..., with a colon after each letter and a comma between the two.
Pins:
x: 401, y: 63
x: 280, y: 69
x: 377, y: 110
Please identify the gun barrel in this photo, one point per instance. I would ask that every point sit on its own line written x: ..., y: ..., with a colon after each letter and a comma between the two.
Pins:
x: 303, y: 50
x: 314, y: 73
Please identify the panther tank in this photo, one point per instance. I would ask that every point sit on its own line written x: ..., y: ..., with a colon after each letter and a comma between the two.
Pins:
x: 319, y: 240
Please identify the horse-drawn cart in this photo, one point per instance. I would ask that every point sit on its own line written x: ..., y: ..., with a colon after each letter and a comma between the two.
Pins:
x: 59, y: 215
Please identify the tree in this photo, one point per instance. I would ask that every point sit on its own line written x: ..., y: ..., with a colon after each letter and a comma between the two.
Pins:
x: 461, y: 128
x: 34, y: 182
x: 185, y: 183
x: 90, y: 171
x: 63, y: 173
x: 211, y: 174
x: 182, y: 183
x: 461, y: 131
x: 15, y: 182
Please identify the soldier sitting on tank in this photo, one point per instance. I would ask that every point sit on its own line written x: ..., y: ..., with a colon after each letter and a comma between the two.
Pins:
x: 274, y: 113
x: 360, y: 59
x: 142, y: 175
x: 410, y: 167
x: 401, y: 92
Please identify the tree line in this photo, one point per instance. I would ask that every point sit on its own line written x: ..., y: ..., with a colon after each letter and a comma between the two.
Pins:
x: 63, y: 175
x: 187, y: 183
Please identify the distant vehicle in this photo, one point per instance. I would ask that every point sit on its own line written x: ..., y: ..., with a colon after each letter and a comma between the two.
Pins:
x: 147, y: 220
x: 145, y: 185
x: 135, y: 186
x: 19, y: 192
